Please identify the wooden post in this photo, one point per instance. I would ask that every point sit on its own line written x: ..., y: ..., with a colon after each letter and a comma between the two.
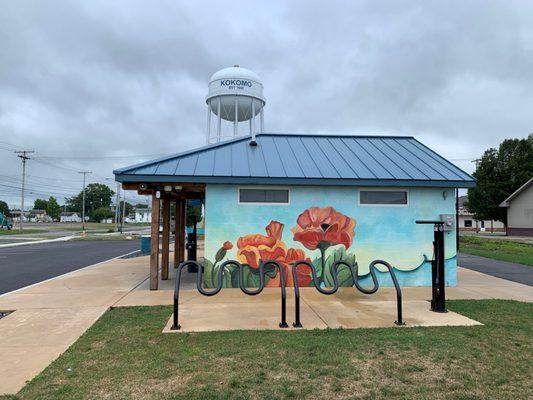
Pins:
x: 166, y: 238
x: 154, y: 250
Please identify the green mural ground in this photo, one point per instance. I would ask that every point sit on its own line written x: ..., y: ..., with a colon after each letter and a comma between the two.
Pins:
x: 125, y: 355
x: 503, y: 250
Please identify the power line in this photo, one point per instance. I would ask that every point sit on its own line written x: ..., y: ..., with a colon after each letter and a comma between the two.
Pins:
x: 46, y: 157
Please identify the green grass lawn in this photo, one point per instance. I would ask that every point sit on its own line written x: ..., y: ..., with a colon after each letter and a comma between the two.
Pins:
x: 504, y: 250
x: 125, y: 355
x: 17, y: 231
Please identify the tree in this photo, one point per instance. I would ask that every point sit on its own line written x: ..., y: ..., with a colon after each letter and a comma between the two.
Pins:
x: 40, y: 204
x: 53, y: 209
x: 499, y: 173
x: 102, y: 213
x: 97, y: 195
x: 194, y: 214
x: 141, y: 205
x: 4, y: 209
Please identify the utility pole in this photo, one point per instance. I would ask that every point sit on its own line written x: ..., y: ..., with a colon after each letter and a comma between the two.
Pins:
x: 123, y: 211
x: 23, y: 155
x: 83, y: 200
x: 117, y: 207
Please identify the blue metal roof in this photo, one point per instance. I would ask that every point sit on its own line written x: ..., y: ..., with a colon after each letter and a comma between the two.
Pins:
x: 305, y: 160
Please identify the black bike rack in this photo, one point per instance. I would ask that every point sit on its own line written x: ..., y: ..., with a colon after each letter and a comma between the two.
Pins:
x: 438, y: 295
x: 253, y: 292
x: 354, y: 272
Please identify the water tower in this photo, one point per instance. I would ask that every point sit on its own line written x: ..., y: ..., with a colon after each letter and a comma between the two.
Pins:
x: 235, y: 95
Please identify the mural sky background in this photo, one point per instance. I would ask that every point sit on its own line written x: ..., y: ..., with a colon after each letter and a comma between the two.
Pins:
x: 381, y: 232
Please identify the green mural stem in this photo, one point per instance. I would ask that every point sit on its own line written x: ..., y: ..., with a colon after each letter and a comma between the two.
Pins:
x: 323, y: 259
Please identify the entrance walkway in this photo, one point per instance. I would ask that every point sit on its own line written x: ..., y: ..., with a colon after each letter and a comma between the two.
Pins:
x: 50, y: 316
x: 506, y: 270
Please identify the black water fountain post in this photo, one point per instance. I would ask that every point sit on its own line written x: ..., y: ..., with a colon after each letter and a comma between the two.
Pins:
x: 438, y: 282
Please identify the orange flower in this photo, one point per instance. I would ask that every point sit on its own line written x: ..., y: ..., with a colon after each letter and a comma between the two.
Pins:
x: 256, y: 247
x: 252, y: 249
x: 323, y: 227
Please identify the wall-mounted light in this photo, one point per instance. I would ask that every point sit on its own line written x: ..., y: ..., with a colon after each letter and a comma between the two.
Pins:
x: 168, y: 188
x: 178, y: 188
x: 445, y: 194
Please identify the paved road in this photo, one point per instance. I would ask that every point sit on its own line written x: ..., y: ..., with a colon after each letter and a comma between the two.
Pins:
x: 513, y: 272
x: 25, y: 265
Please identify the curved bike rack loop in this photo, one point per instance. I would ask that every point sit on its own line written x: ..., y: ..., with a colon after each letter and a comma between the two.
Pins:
x: 249, y: 292
x: 354, y: 272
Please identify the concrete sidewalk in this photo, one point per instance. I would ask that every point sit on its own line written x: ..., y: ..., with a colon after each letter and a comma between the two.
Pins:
x: 50, y: 316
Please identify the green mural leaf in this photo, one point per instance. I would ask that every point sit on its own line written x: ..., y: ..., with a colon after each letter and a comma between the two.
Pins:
x: 332, y: 256
x: 208, y: 274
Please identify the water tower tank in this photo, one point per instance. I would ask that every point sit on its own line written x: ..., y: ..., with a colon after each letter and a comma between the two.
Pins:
x: 235, y: 95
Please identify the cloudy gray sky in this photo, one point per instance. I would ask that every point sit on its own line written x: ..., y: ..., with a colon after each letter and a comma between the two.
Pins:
x: 98, y: 85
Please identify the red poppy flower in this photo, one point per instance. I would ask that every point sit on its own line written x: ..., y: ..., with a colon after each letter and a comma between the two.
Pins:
x: 227, y: 245
x: 323, y: 227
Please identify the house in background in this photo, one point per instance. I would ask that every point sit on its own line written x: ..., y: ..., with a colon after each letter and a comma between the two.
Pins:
x: 467, y: 222
x: 139, y: 215
x: 520, y: 210
x: 38, y: 215
x: 69, y: 217
x: 15, y: 215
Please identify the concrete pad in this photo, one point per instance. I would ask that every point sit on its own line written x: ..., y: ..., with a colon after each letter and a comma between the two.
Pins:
x: 152, y: 298
x: 465, y: 293
x: 224, y: 316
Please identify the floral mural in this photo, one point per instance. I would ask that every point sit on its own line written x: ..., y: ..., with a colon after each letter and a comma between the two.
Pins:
x: 324, y: 232
x: 323, y: 225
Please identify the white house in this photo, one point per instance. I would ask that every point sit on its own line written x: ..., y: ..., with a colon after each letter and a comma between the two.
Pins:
x: 69, y: 217
x: 466, y: 221
x: 139, y: 215
x: 520, y: 210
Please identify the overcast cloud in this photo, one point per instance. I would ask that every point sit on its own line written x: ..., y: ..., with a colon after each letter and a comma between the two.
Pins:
x: 120, y: 79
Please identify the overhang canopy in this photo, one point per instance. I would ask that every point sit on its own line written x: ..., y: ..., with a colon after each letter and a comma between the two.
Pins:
x: 305, y: 160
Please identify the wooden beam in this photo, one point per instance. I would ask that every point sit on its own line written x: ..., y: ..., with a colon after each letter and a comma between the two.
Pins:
x: 166, y: 238
x: 154, y: 250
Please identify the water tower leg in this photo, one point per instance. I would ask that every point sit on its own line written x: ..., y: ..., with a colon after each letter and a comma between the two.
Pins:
x: 235, y: 121
x: 262, y: 116
x: 208, y: 123
x: 219, y: 120
x: 253, y: 119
